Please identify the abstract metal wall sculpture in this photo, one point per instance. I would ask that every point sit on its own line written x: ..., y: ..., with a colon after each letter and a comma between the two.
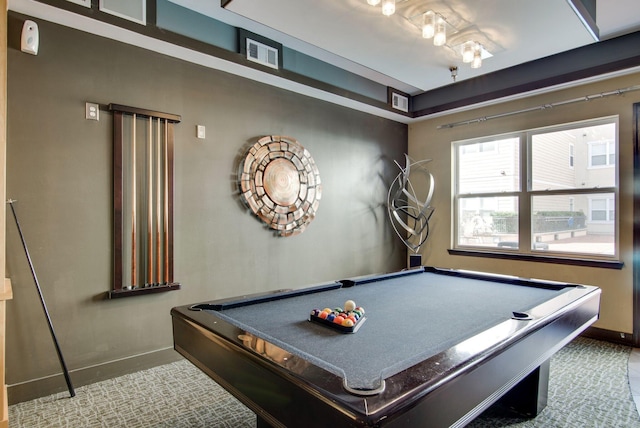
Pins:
x: 408, y: 214
x: 280, y: 183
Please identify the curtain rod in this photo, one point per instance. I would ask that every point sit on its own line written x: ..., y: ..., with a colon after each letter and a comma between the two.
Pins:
x: 542, y: 107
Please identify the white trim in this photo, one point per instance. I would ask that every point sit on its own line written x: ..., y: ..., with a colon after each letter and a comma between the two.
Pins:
x: 92, y: 26
x: 213, y: 10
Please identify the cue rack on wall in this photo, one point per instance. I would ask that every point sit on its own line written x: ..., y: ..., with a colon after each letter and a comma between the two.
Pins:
x: 143, y: 146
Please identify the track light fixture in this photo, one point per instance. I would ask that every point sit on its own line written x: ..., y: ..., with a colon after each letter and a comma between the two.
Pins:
x: 477, y: 57
x: 388, y: 7
x: 468, y: 49
x: 434, y: 25
x: 440, y: 37
x: 428, y: 24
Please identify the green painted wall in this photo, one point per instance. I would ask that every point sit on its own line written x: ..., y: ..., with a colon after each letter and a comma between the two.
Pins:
x: 59, y: 170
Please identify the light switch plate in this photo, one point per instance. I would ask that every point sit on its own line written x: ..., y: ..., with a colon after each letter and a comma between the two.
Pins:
x: 200, y: 131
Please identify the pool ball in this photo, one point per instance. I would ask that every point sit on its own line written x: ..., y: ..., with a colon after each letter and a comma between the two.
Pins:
x: 349, y: 305
x: 347, y: 323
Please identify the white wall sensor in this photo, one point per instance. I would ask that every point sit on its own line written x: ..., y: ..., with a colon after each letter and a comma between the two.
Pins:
x: 30, y: 38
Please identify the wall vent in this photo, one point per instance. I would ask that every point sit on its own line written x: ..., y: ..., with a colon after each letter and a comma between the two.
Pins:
x: 400, y: 102
x: 261, y: 53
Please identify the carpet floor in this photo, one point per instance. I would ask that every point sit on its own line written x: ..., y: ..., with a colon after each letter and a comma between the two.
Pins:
x: 588, y: 388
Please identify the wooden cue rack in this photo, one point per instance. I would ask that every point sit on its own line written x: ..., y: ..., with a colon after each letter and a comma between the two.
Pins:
x: 143, y: 155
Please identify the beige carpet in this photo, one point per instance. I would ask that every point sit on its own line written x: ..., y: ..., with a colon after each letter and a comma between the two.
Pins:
x: 588, y: 389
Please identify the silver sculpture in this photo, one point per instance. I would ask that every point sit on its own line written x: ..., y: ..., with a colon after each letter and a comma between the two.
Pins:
x: 408, y: 214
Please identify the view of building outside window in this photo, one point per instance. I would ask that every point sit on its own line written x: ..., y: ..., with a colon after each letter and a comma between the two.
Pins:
x: 569, y: 198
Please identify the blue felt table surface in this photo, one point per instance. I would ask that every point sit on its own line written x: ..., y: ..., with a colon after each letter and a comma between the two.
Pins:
x: 409, y: 318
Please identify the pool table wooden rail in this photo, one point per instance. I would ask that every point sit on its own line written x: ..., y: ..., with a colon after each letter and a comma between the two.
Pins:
x: 451, y: 388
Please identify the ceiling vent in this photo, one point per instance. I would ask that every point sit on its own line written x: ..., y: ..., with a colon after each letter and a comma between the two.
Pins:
x: 400, y: 102
x: 262, y: 54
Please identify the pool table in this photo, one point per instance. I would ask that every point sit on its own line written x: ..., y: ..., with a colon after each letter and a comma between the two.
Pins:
x: 435, y: 347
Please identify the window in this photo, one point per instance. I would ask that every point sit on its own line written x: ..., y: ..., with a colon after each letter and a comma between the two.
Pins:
x: 135, y: 10
x: 602, y: 209
x: 488, y: 146
x: 551, y: 191
x: 602, y: 154
x: 571, y: 156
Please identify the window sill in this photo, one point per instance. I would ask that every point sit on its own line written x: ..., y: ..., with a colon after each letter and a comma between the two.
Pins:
x: 605, y: 264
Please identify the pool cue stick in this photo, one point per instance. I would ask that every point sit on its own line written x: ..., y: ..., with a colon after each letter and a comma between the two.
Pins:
x: 166, y: 201
x: 149, y: 280
x: 134, y: 197
x: 72, y: 392
x: 158, y: 206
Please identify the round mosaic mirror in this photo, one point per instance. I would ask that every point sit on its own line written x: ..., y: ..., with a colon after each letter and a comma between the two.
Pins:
x: 280, y: 183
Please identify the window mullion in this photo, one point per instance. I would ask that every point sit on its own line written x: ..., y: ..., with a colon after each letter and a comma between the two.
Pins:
x: 524, y: 197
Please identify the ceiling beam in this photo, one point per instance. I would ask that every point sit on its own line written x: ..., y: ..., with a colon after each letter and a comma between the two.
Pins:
x: 593, y: 60
x: 586, y: 11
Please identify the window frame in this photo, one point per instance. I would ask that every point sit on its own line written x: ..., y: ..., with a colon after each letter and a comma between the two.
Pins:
x: 572, y: 156
x: 607, y: 210
x: 607, y: 154
x: 525, y: 196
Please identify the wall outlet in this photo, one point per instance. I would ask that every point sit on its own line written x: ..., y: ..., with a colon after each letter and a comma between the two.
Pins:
x: 92, y: 111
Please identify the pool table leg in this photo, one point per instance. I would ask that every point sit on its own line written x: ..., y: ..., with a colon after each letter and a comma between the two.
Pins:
x: 263, y: 423
x: 529, y: 397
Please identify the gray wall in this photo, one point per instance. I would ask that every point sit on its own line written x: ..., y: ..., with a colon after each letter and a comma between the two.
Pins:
x: 59, y: 171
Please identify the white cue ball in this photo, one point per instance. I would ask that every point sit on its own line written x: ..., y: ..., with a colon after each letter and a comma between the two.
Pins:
x: 349, y: 305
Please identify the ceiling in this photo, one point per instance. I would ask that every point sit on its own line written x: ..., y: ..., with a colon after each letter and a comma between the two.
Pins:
x: 390, y: 50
